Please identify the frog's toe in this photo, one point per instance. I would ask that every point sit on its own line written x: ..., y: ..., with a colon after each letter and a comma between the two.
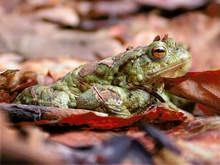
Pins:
x: 120, y: 112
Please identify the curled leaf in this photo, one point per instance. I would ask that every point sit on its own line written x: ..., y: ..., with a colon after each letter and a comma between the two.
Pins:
x: 200, y: 87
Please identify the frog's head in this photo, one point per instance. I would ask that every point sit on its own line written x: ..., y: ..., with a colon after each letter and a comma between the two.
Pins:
x: 165, y: 58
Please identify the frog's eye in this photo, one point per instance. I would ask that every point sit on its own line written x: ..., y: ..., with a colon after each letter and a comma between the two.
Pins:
x: 159, y: 51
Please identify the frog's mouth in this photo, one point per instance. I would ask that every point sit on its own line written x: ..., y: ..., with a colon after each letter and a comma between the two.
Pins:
x: 170, y: 71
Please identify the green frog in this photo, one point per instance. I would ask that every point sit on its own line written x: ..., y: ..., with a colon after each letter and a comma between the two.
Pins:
x: 122, y: 85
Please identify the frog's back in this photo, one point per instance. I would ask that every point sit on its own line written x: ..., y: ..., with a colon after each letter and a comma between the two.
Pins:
x: 103, y: 72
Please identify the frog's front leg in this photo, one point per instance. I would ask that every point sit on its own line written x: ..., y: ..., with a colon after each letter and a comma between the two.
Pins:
x: 44, y: 96
x: 109, y: 99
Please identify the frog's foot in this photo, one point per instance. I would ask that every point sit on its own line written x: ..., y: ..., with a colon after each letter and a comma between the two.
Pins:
x: 118, y: 111
x: 103, y: 100
x: 43, y: 96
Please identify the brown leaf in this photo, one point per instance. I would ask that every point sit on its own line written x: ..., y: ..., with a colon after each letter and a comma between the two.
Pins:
x: 80, y: 138
x: 26, y: 79
x: 113, y: 8
x: 198, y: 139
x: 11, y: 85
x: 6, y: 97
x: 47, y: 41
x: 18, y: 6
x: 61, y: 14
x: 201, y: 87
x: 9, y: 60
x: 55, y: 68
x: 6, y: 83
x: 28, y: 144
x: 6, y: 78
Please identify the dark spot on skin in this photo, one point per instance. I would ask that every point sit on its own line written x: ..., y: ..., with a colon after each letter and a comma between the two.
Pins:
x: 122, y: 67
x: 116, y: 81
x: 129, y: 95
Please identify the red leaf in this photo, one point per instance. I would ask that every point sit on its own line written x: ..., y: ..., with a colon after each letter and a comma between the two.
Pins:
x: 94, y: 121
x: 164, y: 114
x: 39, y: 115
x: 201, y: 87
x: 154, y: 112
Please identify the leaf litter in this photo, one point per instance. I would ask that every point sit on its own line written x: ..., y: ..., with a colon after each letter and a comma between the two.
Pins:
x: 58, y: 36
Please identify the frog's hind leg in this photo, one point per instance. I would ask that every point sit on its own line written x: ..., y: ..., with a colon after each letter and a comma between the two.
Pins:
x: 103, y: 100
x: 43, y: 96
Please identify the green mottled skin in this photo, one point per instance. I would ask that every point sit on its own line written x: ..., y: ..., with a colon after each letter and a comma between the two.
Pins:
x: 110, y: 85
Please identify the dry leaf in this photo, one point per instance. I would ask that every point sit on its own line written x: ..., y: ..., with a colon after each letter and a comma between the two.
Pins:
x: 173, y: 4
x: 79, y: 138
x: 61, y: 15
x: 45, y: 40
x: 198, y: 139
x: 11, y: 85
x: 9, y: 61
x: 6, y: 84
x: 55, y: 68
x: 201, y: 87
x: 30, y: 145
x: 39, y: 115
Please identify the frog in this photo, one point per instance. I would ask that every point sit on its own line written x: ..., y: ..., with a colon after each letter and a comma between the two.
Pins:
x: 122, y: 85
